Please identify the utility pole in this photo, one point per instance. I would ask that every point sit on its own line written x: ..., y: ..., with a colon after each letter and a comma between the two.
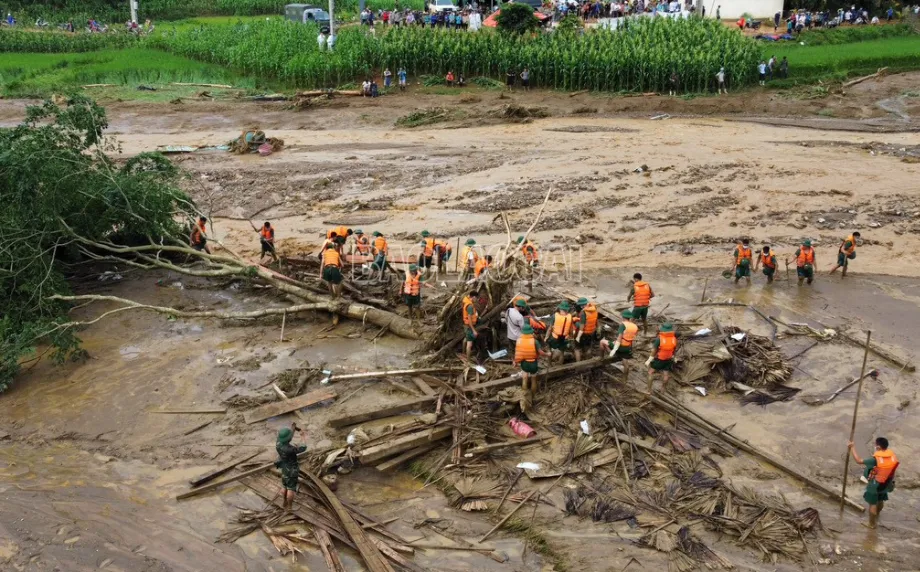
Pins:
x: 133, y: 5
x: 330, y: 42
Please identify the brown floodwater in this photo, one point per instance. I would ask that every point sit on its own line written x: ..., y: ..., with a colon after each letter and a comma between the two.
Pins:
x: 89, y: 473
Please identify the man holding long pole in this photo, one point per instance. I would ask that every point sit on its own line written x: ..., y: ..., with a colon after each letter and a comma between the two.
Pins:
x: 879, y: 472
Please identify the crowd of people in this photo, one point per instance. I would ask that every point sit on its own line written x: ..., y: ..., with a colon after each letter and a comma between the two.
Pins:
x: 460, y: 19
x: 800, y: 20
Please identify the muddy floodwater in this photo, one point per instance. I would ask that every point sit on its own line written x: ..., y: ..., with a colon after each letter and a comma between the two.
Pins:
x: 89, y: 471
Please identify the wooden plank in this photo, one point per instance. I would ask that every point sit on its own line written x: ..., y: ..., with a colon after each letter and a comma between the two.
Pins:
x: 404, y: 443
x: 395, y: 409
x: 423, y: 387
x: 270, y: 410
x: 388, y: 551
x: 519, y: 443
x: 190, y: 411
x: 220, y: 470
x: 369, y: 552
x: 414, y: 404
x: 330, y: 554
x: 233, y: 479
x: 303, y: 418
x: 408, y: 455
x: 648, y: 445
x: 389, y: 373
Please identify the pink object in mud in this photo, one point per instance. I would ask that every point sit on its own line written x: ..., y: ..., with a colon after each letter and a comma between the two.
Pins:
x: 265, y: 149
x: 520, y: 428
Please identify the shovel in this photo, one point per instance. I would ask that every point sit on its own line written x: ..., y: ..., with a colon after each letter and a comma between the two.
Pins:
x: 815, y: 400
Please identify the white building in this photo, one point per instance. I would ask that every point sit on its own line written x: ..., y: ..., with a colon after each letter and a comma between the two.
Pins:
x: 732, y: 9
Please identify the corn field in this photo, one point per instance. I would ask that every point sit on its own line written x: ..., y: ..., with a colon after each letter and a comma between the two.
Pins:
x: 639, y: 57
x: 59, y: 42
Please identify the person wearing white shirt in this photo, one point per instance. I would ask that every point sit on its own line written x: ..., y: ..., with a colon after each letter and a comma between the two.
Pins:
x: 515, y: 321
x: 321, y: 41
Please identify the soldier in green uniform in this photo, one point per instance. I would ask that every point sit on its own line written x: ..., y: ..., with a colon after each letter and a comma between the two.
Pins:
x: 287, y: 462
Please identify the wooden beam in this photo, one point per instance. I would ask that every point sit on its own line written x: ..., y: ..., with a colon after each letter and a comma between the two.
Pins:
x: 390, y: 410
x: 220, y: 470
x: 496, y: 446
x: 269, y: 410
x: 412, y: 440
x: 646, y: 444
x: 212, y: 486
x: 408, y: 455
x: 190, y: 411
x: 330, y: 554
x: 423, y: 387
x: 389, y: 373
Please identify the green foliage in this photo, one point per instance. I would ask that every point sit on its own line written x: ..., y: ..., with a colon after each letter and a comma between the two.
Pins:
x: 517, y: 18
x: 41, y: 75
x: 638, y: 57
x: 13, y: 40
x: 570, y: 25
x: 56, y: 184
x: 836, y: 62
x: 852, y: 34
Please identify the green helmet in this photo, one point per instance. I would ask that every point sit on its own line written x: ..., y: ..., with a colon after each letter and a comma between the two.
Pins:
x: 627, y: 314
x: 667, y: 327
x: 520, y: 239
x: 564, y: 306
x: 582, y: 302
x: 425, y: 233
x: 377, y: 233
x: 285, y: 434
x: 807, y: 242
x: 470, y: 242
x: 359, y: 231
x: 520, y: 303
x: 413, y: 267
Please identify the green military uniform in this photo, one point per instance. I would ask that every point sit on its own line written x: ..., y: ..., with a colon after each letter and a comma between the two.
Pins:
x: 658, y: 364
x: 560, y: 344
x: 842, y: 258
x: 287, y: 459
x: 874, y: 493
x: 468, y: 331
x: 768, y: 271
x: 742, y: 270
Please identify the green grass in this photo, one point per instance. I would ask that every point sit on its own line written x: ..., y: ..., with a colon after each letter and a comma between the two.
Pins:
x: 809, y: 64
x: 40, y: 75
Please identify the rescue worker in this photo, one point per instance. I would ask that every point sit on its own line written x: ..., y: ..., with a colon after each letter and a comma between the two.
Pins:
x: 768, y: 259
x: 879, y: 472
x: 527, y: 352
x: 626, y: 336
x: 641, y: 296
x: 470, y: 258
x: 470, y: 320
x: 529, y: 250
x: 380, y: 250
x: 427, y: 254
x: 362, y: 245
x: 339, y: 235
x: 482, y: 265
x: 585, y: 327
x: 332, y: 270
x: 662, y: 358
x: 287, y: 462
x: 444, y: 251
x: 742, y: 259
x: 846, y: 252
x: 199, y: 237
x: 515, y: 319
x: 267, y: 240
x: 412, y: 290
x: 559, y: 332
x: 805, y: 262
x: 330, y: 239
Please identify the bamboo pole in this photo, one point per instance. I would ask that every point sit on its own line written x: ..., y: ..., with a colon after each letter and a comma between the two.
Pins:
x: 846, y: 463
x: 705, y: 286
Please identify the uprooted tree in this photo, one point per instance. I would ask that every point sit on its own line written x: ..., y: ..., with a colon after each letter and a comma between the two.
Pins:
x: 65, y: 202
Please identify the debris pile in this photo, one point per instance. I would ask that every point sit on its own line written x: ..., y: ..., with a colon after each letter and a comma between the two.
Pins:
x: 255, y: 141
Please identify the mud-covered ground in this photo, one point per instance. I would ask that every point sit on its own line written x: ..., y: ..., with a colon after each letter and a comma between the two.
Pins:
x: 88, y: 473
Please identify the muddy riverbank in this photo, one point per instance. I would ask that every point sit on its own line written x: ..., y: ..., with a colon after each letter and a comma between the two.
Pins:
x: 98, y: 470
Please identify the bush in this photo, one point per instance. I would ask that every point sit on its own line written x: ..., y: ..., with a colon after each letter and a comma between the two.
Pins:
x: 517, y: 19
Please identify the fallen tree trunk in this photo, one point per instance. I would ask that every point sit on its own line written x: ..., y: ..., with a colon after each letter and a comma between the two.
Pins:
x: 859, y: 80
x: 389, y: 373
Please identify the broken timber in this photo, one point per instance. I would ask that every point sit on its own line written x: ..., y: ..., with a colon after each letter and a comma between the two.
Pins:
x: 404, y: 443
x: 220, y: 470
x: 408, y: 455
x: 500, y: 383
x: 389, y: 373
x: 212, y: 486
x: 276, y: 408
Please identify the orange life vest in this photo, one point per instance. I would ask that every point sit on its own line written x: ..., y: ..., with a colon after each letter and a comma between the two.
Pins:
x: 642, y: 294
x: 536, y: 324
x: 848, y: 251
x: 198, y: 232
x: 525, y: 349
x: 362, y: 244
x: 466, y: 257
x: 885, y: 464
x: 412, y: 284
x: 629, y: 334
x: 768, y: 259
x: 481, y: 265
x: 268, y: 234
x: 469, y: 319
x: 667, y: 344
x: 530, y: 252
x: 443, y: 247
x: 340, y: 231
x: 806, y: 256
x: 380, y: 245
x: 744, y: 253
x: 331, y: 258
x: 590, y: 325
x: 562, y: 325
x: 429, y: 247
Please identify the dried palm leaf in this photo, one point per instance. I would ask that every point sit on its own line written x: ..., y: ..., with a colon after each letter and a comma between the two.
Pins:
x: 607, y: 511
x: 584, y: 444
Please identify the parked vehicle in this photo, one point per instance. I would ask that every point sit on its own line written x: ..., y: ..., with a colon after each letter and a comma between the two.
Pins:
x: 441, y: 6
x: 306, y: 13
